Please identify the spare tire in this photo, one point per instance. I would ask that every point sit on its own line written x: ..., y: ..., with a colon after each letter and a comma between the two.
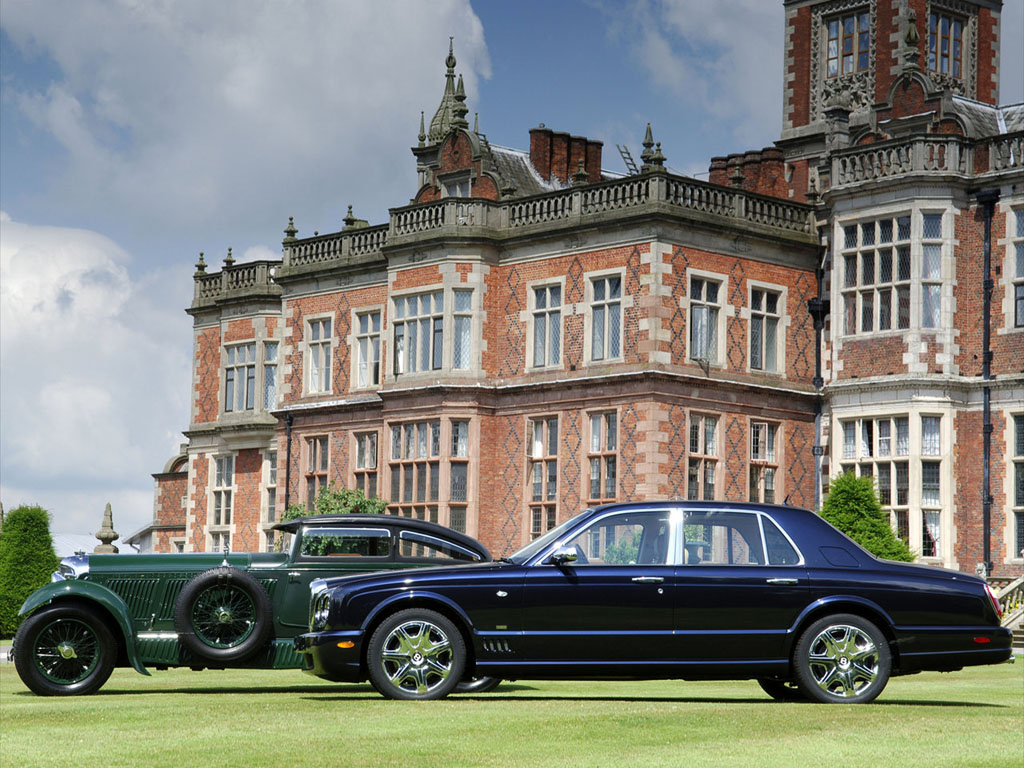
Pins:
x: 224, y: 615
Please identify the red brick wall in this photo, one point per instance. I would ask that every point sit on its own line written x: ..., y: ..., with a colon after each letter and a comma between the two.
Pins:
x: 872, y: 357
x: 967, y: 452
x: 206, y: 406
x: 798, y: 46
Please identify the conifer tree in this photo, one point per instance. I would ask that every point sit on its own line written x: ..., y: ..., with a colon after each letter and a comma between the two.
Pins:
x: 852, y: 507
x: 26, y: 561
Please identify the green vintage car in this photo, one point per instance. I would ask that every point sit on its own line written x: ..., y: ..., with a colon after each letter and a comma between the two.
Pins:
x: 209, y: 610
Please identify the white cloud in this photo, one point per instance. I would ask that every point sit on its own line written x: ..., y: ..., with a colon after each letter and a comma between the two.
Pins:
x: 95, y: 374
x: 725, y: 73
x: 231, y: 115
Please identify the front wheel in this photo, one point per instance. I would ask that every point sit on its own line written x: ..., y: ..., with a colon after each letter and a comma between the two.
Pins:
x: 842, y: 659
x: 416, y: 654
x: 781, y: 690
x: 478, y: 685
x: 64, y: 651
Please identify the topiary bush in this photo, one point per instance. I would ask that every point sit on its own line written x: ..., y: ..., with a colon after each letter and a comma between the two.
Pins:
x: 26, y: 561
x: 852, y: 506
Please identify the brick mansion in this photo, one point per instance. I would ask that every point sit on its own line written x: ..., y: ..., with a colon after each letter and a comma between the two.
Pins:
x: 534, y: 334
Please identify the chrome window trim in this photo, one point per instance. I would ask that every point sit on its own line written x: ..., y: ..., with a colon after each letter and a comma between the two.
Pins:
x: 674, y: 542
x: 442, y: 544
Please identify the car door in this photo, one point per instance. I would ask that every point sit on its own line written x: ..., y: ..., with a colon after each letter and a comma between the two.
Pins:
x: 614, y: 603
x: 739, y: 588
x: 325, y: 551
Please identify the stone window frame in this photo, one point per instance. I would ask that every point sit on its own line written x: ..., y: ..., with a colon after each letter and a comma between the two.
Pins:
x: 541, y: 514
x: 625, y: 302
x: 915, y: 509
x: 315, y: 477
x: 527, y: 315
x: 476, y: 315
x: 765, y: 465
x: 747, y: 312
x: 968, y: 84
x: 219, y: 534
x: 250, y: 391
x: 858, y: 85
x: 269, y: 370
x: 602, y: 455
x: 701, y: 459
x: 1013, y: 270
x: 1014, y: 526
x: 307, y: 345
x: 366, y: 475
x: 857, y: 51
x: 354, y: 339
x: 269, y: 484
x: 726, y: 310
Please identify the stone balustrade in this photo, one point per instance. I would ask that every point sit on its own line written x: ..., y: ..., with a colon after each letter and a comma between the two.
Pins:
x: 253, y: 278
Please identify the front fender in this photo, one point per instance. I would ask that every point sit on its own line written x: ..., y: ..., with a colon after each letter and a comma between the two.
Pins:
x: 88, y: 592
x: 416, y: 597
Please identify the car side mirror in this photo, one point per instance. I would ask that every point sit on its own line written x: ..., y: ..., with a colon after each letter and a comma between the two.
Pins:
x: 563, y: 556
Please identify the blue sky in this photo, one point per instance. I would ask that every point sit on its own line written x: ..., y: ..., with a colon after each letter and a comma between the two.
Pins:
x: 134, y: 135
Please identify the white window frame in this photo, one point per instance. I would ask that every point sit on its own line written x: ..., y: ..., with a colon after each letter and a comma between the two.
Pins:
x: 1013, y: 272
x: 932, y: 248
x: 271, y: 354
x: 603, y: 444
x: 541, y: 493
x: 749, y: 313
x: 867, y: 299
x: 242, y: 387
x: 322, y: 349
x: 548, y: 313
x: 702, y: 455
x: 1014, y: 491
x: 619, y: 304
x: 724, y: 311
x: 462, y: 306
x: 401, y: 322
x: 317, y: 466
x: 366, y: 362
x: 765, y: 439
x: 366, y: 465
x: 220, y: 520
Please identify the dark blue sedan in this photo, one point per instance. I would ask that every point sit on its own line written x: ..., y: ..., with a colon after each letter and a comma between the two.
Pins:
x: 686, y: 590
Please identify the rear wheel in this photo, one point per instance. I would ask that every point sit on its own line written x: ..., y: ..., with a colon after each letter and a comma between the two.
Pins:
x: 781, y: 690
x: 842, y: 659
x: 64, y: 651
x: 478, y: 685
x: 416, y: 654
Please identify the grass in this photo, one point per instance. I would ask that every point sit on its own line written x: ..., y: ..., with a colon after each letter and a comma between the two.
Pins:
x: 274, y: 719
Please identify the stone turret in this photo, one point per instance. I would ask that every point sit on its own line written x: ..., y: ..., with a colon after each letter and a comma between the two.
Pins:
x: 449, y: 111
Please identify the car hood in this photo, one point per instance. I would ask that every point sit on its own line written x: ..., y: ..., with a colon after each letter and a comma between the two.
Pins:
x: 78, y: 566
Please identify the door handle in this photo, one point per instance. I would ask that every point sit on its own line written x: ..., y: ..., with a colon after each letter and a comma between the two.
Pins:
x: 783, y: 581
x: 293, y: 577
x: 648, y: 579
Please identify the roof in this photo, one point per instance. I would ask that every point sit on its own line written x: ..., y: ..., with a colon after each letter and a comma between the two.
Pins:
x: 984, y: 120
x: 513, y: 165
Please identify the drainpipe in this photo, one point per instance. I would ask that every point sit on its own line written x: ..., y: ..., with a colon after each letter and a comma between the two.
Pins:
x: 818, y: 307
x: 288, y: 418
x: 987, y: 198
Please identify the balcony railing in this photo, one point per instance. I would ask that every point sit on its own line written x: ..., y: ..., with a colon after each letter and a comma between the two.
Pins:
x: 251, y: 279
x: 927, y: 155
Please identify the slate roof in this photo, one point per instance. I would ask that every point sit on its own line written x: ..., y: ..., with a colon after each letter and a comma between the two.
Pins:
x: 514, y: 165
x: 984, y: 120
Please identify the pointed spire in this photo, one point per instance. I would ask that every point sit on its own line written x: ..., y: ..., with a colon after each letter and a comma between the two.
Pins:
x: 229, y: 260
x: 201, y: 265
x: 290, y: 231
x: 445, y: 117
x: 460, y: 110
x: 107, y: 534
x: 423, y: 134
x: 653, y: 159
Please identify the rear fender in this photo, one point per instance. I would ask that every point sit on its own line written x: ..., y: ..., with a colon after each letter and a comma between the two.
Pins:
x: 87, y: 592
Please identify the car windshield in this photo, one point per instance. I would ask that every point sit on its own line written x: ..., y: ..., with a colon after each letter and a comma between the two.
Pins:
x: 537, y: 545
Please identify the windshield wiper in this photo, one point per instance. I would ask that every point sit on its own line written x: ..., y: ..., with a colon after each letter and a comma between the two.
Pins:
x: 503, y: 560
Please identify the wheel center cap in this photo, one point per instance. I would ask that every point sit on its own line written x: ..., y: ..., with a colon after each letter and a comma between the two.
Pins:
x: 67, y: 651
x: 224, y: 616
x: 417, y: 658
x: 844, y: 662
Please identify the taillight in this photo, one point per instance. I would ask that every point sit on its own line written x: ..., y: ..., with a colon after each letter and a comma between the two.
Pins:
x: 995, y: 602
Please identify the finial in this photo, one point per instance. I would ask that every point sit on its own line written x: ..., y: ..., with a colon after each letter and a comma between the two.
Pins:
x: 107, y: 534
x: 290, y: 231
x: 476, y: 122
x: 651, y: 159
x: 460, y: 110
x: 450, y: 61
x: 229, y: 260
x: 580, y: 176
x: 349, y: 219
x: 423, y: 133
x: 201, y: 265
x: 659, y: 158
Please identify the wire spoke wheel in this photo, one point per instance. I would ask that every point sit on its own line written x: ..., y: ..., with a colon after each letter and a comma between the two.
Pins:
x: 223, y: 616
x: 67, y: 651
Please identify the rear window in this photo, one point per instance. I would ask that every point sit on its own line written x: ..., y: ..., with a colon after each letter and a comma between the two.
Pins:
x: 413, y: 544
x: 346, y: 542
x: 722, y: 538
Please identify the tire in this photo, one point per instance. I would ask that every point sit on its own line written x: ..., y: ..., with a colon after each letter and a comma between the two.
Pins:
x: 842, y: 659
x: 416, y: 655
x: 781, y: 690
x: 64, y: 651
x: 224, y: 615
x: 478, y: 685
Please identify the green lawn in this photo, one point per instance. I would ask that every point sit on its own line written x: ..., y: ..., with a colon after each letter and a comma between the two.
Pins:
x: 286, y: 719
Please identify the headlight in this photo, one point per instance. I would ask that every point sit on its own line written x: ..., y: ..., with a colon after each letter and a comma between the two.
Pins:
x: 321, y: 610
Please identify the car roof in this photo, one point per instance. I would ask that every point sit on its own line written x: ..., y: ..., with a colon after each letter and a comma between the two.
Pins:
x: 392, y: 521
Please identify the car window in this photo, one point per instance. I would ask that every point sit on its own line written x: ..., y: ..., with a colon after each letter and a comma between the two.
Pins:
x: 346, y: 542
x: 632, y: 538
x: 780, y: 551
x: 722, y: 538
x: 414, y: 544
